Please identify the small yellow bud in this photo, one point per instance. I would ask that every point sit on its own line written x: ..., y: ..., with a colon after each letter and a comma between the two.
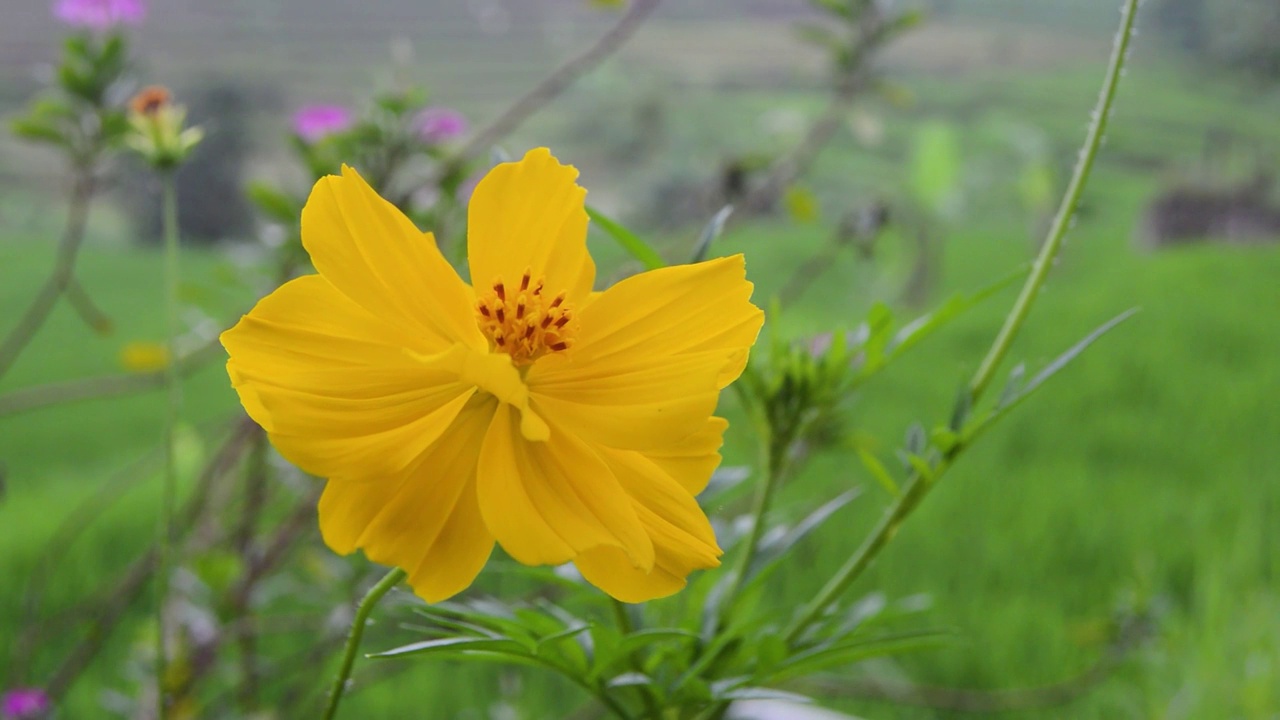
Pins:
x: 144, y: 357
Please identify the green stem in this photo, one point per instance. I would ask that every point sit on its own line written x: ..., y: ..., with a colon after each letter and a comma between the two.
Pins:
x: 916, y: 487
x: 63, y: 274
x: 1066, y: 210
x: 172, y: 406
x: 772, y: 457
x: 363, y: 610
x: 623, y: 618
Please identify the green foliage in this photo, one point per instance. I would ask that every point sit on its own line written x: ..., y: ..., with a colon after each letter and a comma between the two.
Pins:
x: 1021, y: 519
x: 629, y: 241
x: 936, y: 168
x: 78, y: 113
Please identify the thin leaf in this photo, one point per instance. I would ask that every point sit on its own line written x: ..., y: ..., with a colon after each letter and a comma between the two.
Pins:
x: 629, y: 241
x: 923, y: 326
x: 1065, y: 358
x: 760, y: 693
x: 727, y: 478
x: 563, y: 634
x: 811, y: 522
x: 878, y: 471
x: 710, y: 232
x: 453, y: 646
x: 829, y: 656
x: 630, y: 679
x: 274, y: 204
x: 1009, y: 403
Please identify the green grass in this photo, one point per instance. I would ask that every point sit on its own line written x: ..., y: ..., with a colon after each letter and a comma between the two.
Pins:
x: 1144, y: 475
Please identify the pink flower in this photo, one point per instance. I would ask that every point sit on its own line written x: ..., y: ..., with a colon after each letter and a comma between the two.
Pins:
x: 23, y: 703
x: 100, y: 14
x: 441, y: 124
x: 316, y: 122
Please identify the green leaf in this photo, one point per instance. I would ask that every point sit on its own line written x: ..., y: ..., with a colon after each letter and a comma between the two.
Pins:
x: 801, y: 204
x: 727, y: 478
x: 814, y: 520
x: 710, y: 232
x: 629, y: 241
x: 923, y: 326
x: 840, y: 8
x: 629, y: 679
x: 36, y: 130
x: 562, y: 635
x: 822, y: 36
x: 830, y: 655
x: 274, y: 204
x: 877, y: 470
x: 453, y: 646
x: 935, y: 167
x: 760, y: 693
x: 1015, y: 397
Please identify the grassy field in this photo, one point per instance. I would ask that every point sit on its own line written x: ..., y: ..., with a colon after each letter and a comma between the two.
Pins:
x: 1144, y: 478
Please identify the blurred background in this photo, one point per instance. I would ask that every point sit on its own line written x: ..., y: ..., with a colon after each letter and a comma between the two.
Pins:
x: 1143, y: 483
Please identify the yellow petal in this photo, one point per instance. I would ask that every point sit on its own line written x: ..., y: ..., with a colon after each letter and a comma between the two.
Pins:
x: 374, y: 255
x: 333, y: 385
x: 651, y: 355
x: 546, y: 502
x: 531, y: 215
x: 682, y: 537
x: 426, y: 520
x: 692, y: 460
x: 495, y: 374
x: 636, y: 406
x: 673, y: 311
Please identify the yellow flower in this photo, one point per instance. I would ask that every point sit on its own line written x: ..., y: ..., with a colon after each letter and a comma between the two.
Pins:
x: 144, y: 357
x: 565, y: 424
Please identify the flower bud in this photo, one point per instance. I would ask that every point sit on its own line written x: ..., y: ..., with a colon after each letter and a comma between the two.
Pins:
x: 156, y: 128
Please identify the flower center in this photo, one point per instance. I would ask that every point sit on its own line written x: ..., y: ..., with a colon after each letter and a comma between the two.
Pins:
x: 523, y: 322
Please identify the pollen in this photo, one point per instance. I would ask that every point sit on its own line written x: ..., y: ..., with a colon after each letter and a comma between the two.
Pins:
x: 150, y: 100
x: 523, y: 321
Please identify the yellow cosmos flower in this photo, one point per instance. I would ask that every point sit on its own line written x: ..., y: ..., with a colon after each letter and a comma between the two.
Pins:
x: 565, y: 424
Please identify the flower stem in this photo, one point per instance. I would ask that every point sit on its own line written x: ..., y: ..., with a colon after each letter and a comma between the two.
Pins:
x: 172, y: 405
x: 772, y: 455
x: 1062, y: 222
x: 363, y: 611
x: 917, y: 487
x: 63, y: 274
x: 625, y: 626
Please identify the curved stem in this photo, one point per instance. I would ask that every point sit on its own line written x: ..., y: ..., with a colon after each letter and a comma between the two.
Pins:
x: 1066, y: 210
x: 366, y: 606
x: 63, y: 270
x: 623, y: 618
x: 172, y: 405
x: 556, y: 82
x: 84, y: 305
x: 772, y: 456
x: 917, y: 487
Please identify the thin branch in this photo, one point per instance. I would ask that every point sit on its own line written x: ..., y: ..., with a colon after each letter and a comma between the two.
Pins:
x: 103, y: 386
x: 87, y: 309
x: 64, y: 266
x: 797, y: 162
x: 556, y: 82
x: 917, y: 486
x: 112, y: 607
x: 109, y: 614
x: 851, y: 79
x: 294, y: 526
